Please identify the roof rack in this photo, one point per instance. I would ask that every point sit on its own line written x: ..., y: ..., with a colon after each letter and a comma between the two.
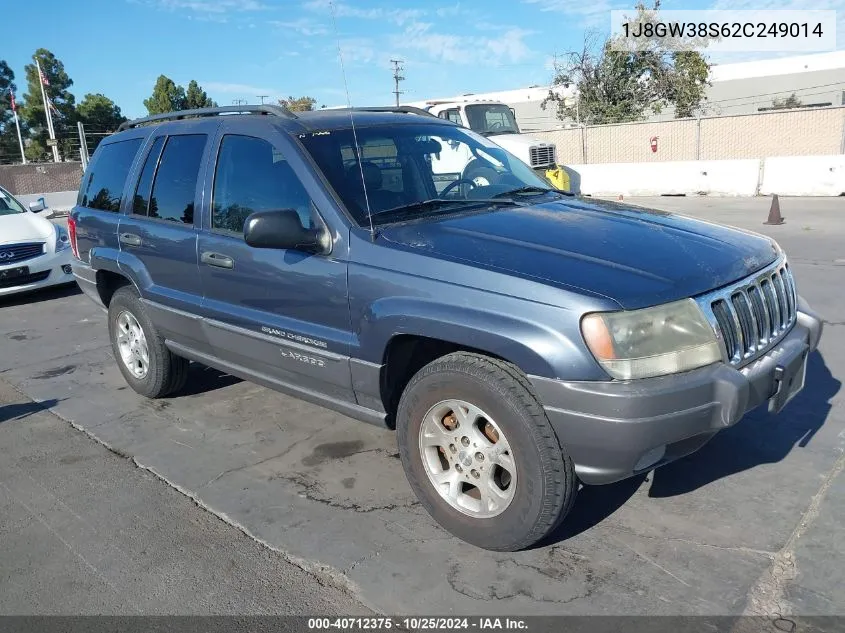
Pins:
x: 274, y: 110
x: 398, y: 109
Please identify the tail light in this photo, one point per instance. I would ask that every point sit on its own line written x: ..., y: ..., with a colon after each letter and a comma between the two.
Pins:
x: 71, y: 232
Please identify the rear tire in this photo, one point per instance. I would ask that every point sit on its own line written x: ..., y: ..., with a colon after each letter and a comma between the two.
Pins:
x: 501, y: 481
x: 147, y: 365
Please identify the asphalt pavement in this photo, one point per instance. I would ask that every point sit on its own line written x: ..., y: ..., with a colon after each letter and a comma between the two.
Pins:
x: 749, y: 524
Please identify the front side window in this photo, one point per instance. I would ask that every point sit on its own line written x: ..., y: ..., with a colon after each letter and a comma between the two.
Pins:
x: 108, y: 171
x: 175, y: 185
x: 251, y: 176
x: 435, y: 165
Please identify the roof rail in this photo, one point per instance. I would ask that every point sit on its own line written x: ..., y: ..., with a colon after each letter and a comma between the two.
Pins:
x: 274, y: 110
x: 399, y: 109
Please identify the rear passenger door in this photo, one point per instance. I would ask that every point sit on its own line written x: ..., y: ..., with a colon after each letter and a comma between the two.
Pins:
x: 282, y: 314
x: 157, y: 236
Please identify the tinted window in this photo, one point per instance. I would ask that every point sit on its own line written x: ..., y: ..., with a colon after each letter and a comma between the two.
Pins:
x: 253, y: 176
x: 141, y: 201
x: 109, y: 170
x: 176, y: 179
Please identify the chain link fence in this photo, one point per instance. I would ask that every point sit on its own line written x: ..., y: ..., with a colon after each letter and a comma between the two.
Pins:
x: 811, y: 132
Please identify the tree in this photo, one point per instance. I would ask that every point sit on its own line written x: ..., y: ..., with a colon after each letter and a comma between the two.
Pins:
x: 618, y: 79
x: 63, y: 108
x: 166, y: 97
x: 195, y: 97
x: 99, y: 115
x: 789, y: 102
x: 9, y: 149
x: 298, y: 104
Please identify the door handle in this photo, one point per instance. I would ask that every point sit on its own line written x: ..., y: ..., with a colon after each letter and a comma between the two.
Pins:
x: 130, y: 239
x: 217, y: 259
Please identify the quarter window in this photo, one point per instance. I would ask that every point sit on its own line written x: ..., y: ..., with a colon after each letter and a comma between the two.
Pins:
x: 108, y: 173
x: 253, y: 176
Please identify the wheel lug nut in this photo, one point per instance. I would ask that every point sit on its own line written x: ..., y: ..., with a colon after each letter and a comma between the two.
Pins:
x: 475, y: 473
x: 459, y: 468
x: 479, y: 456
x: 465, y: 440
x: 452, y: 448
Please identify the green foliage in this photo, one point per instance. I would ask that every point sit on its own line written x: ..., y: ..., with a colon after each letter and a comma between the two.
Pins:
x: 166, y: 97
x: 195, y: 97
x: 64, y: 114
x: 9, y: 149
x: 298, y: 104
x: 99, y: 115
x: 617, y: 81
x: 789, y: 102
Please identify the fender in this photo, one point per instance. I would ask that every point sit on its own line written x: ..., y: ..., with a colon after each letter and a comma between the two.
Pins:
x: 512, y: 335
x: 132, y: 268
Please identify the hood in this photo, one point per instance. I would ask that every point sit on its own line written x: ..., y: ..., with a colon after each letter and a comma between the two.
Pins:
x: 513, y: 142
x: 24, y: 227
x: 637, y: 257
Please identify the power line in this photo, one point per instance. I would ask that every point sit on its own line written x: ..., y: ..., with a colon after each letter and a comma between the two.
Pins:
x: 397, y: 77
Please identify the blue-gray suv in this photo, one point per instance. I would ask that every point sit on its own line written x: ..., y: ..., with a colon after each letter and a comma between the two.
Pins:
x: 521, y: 340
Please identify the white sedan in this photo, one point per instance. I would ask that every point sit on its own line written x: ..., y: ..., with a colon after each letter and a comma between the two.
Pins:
x: 34, y: 252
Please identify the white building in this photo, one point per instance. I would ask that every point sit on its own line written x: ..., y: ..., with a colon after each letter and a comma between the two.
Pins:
x: 739, y: 88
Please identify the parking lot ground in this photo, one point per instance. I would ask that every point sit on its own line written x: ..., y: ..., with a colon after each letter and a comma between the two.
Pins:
x: 749, y: 524
x: 84, y: 531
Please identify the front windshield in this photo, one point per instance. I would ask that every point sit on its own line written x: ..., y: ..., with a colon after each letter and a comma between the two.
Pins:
x: 405, y: 168
x: 8, y: 205
x: 494, y: 118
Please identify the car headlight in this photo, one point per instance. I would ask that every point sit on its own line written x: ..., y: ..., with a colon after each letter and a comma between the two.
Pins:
x: 657, y: 341
x: 62, y: 239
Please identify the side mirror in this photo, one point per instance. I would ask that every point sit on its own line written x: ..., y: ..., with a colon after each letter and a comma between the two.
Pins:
x: 283, y: 229
x: 37, y: 205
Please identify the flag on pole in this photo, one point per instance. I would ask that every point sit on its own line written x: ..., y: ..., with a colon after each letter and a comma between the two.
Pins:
x: 12, y: 101
x: 43, y: 76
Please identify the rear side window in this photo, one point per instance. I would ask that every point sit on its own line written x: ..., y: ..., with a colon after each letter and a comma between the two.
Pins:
x: 141, y: 201
x: 108, y: 173
x: 175, y: 183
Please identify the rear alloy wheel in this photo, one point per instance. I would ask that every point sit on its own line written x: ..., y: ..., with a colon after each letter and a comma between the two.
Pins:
x: 480, y: 452
x: 148, y: 366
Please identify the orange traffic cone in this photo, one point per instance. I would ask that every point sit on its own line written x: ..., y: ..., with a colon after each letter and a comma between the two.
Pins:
x: 774, y: 212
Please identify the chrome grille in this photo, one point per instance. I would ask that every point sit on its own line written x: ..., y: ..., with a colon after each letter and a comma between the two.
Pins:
x: 751, y: 316
x: 12, y: 253
x: 542, y: 155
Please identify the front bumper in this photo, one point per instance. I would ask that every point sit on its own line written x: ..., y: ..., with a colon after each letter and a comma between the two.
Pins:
x: 616, y: 429
x: 44, y: 270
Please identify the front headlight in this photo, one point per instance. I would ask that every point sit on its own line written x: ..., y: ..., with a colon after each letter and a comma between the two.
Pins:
x: 62, y: 239
x: 657, y: 341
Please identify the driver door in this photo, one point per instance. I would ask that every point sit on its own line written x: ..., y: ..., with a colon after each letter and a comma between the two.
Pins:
x: 281, y: 314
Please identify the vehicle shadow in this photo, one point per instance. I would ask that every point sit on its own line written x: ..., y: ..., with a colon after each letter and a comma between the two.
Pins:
x: 36, y: 296
x: 760, y: 438
x: 12, y: 412
x: 202, y: 379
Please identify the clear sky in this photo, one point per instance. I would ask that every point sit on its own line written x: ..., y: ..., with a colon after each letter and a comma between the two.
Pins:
x: 239, y: 49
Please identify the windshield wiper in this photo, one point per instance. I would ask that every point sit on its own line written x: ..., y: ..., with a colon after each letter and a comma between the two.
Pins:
x: 531, y: 189
x: 437, y: 204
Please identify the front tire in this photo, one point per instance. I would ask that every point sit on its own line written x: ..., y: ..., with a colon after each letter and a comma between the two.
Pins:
x: 148, y: 366
x: 480, y: 453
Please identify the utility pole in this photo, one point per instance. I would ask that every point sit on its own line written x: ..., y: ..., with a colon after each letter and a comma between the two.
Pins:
x: 397, y: 77
x: 42, y: 79
x: 263, y: 97
x: 239, y: 102
x: 17, y: 124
